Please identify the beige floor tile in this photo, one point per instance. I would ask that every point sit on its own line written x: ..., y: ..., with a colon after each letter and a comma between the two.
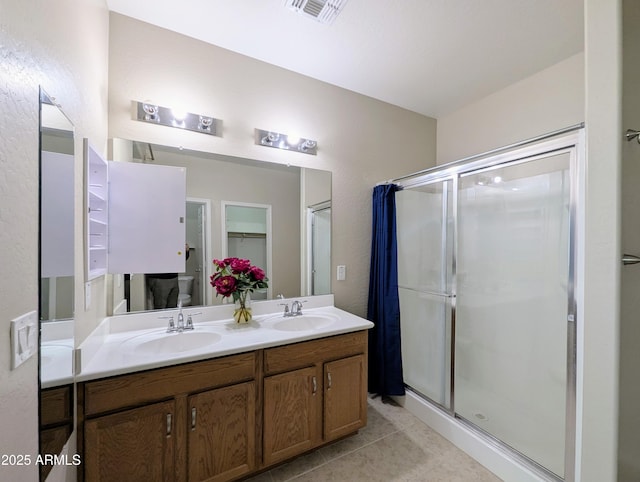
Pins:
x: 377, y: 427
x: 298, y: 466
x: 394, y: 447
x: 385, y: 460
x: 264, y: 477
x: 394, y: 413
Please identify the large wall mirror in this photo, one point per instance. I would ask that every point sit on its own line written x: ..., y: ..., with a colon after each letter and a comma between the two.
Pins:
x: 57, y: 281
x: 276, y: 215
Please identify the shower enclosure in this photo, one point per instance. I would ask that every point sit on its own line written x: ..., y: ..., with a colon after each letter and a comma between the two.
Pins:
x: 485, y: 280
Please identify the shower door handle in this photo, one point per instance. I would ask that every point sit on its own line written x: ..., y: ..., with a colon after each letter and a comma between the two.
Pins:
x: 630, y: 259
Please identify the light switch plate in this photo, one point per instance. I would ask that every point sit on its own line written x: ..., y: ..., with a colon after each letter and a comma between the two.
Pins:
x: 24, y: 338
x: 342, y: 272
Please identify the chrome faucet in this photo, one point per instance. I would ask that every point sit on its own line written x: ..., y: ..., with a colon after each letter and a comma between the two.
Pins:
x: 180, y: 325
x: 296, y: 308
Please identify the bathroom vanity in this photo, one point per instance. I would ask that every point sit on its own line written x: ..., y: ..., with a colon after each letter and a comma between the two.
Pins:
x: 261, y: 394
x: 56, y: 388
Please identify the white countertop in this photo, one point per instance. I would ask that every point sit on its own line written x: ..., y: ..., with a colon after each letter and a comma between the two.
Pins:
x: 115, y: 347
x: 56, y: 353
x: 56, y: 363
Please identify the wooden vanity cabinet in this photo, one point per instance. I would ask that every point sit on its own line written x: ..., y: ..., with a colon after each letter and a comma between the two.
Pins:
x: 136, y: 444
x: 221, y: 440
x: 345, y: 398
x: 314, y: 392
x: 223, y: 419
x: 192, y: 422
x: 291, y: 404
x: 56, y: 421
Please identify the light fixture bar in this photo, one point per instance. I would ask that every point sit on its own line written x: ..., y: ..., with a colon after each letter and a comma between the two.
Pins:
x: 165, y: 116
x: 286, y: 142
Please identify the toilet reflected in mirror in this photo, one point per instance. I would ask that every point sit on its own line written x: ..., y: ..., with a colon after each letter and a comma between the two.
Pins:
x: 185, y: 286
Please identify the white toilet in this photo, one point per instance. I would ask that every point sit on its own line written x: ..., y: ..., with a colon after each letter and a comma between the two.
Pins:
x: 185, y: 287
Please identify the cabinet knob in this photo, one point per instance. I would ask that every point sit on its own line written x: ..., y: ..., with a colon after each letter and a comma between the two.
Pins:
x: 329, y: 379
x: 193, y: 418
x: 169, y: 424
x: 315, y: 384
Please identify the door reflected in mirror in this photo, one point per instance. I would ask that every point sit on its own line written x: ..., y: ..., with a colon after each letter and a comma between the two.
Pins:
x: 294, y: 248
x: 57, y: 277
x: 247, y: 235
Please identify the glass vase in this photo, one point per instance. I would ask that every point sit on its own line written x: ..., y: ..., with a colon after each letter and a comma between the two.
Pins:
x: 242, y: 311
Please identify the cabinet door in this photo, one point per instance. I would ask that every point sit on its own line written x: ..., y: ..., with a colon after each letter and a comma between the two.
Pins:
x: 345, y: 404
x: 290, y: 414
x: 133, y: 445
x: 147, y: 209
x: 222, y: 437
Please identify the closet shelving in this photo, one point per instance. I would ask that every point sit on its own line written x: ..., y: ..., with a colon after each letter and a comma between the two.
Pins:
x: 97, y: 212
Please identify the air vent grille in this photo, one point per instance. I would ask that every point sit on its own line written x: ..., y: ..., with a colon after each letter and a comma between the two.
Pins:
x: 324, y: 11
x: 313, y: 8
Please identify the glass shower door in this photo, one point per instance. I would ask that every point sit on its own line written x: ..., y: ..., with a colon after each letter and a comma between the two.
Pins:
x: 424, y: 235
x: 513, y: 277
x: 321, y: 251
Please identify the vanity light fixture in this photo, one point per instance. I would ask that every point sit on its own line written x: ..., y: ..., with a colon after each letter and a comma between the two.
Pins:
x: 287, y: 142
x: 155, y: 114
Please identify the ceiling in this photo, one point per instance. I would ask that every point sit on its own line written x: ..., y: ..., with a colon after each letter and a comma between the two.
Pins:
x: 428, y: 56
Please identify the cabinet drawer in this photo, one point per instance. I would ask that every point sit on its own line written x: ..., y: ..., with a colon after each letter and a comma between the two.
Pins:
x: 307, y: 353
x: 56, y: 406
x: 144, y: 387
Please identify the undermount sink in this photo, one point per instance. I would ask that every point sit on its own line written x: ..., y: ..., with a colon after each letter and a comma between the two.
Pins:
x: 159, y: 343
x: 304, y: 322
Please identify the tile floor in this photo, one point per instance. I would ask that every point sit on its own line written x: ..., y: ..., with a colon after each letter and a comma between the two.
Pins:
x: 394, y: 446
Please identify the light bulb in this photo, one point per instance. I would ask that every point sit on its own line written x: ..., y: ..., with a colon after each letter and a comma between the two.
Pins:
x: 178, y: 114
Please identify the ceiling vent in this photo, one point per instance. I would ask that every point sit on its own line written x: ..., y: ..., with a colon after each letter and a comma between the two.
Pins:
x: 323, y: 11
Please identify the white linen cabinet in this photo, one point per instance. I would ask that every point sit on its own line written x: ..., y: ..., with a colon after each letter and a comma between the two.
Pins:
x: 135, y: 216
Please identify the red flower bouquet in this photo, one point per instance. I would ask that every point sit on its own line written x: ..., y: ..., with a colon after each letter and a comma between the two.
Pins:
x: 236, y: 278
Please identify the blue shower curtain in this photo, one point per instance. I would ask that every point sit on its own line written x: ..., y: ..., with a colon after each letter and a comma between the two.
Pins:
x: 385, y: 356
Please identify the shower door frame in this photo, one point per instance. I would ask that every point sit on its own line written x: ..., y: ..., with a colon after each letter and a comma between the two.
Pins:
x: 569, y: 141
x: 311, y: 247
x: 448, y: 294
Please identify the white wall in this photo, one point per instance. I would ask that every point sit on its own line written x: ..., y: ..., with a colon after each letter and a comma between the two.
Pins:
x: 547, y: 101
x: 61, y: 45
x: 602, y: 242
x: 361, y: 140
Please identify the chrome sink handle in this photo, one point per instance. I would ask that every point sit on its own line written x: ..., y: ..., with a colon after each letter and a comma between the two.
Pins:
x: 286, y: 309
x: 189, y: 325
x: 296, y: 307
x: 172, y: 326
